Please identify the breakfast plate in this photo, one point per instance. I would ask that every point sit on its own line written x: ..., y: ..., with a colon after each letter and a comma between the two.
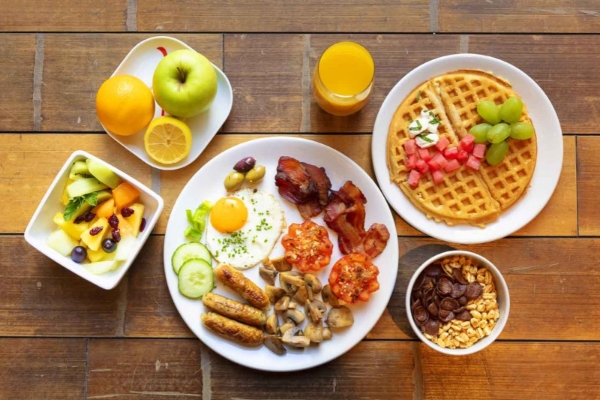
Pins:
x: 547, y: 165
x: 207, y: 184
x: 141, y: 63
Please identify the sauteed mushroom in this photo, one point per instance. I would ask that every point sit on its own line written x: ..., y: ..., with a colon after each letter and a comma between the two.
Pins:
x: 268, y: 275
x: 274, y: 343
x: 274, y: 293
x: 314, y: 331
x: 326, y: 334
x: 290, y: 281
x: 339, y: 317
x: 281, y: 265
x: 272, y: 324
x: 282, y: 304
x: 329, y: 297
x: 293, y: 315
x: 294, y: 337
x: 313, y: 285
x: 316, y: 310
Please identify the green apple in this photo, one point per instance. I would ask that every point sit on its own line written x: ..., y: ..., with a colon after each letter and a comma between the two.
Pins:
x: 184, y: 83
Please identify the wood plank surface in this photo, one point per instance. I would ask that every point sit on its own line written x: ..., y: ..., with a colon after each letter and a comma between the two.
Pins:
x: 565, y: 67
x: 543, y: 16
x: 371, y: 370
x: 17, y: 56
x: 42, y: 369
x: 76, y: 65
x: 283, y: 16
x: 30, y: 162
x: 588, y: 185
x: 144, y: 369
x: 552, y: 285
x: 63, y: 16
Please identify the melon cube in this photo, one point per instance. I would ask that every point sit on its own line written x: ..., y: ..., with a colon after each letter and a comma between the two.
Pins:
x: 62, y: 242
x: 442, y: 144
x: 413, y: 178
x: 438, y: 176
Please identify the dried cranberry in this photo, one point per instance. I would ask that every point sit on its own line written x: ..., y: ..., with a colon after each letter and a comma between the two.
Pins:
x: 79, y: 219
x: 116, y: 235
x: 89, y: 216
x: 143, y: 225
x: 127, y: 212
x: 113, y: 221
x: 96, y: 230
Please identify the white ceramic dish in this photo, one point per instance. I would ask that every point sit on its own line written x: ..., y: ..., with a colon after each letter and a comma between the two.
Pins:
x: 549, y: 157
x: 141, y: 62
x: 503, y: 304
x: 207, y: 183
x: 41, y: 224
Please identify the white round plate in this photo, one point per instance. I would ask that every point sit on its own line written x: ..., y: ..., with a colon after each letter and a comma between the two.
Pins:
x: 207, y: 184
x: 549, y: 157
x: 141, y: 63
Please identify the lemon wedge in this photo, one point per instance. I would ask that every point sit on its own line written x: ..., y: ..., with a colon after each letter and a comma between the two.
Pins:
x: 168, y: 140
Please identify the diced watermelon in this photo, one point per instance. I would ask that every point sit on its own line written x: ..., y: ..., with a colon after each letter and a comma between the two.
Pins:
x: 422, y: 166
x: 413, y: 178
x: 442, y: 144
x: 462, y: 156
x: 479, y: 150
x: 473, y: 162
x: 410, y: 147
x: 424, y: 154
x: 411, y: 161
x: 438, y: 177
x: 433, y: 166
x: 467, y: 143
x: 439, y: 159
x: 452, y: 165
x: 451, y: 153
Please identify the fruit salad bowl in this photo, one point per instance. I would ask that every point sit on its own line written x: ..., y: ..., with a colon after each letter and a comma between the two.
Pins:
x: 42, y: 224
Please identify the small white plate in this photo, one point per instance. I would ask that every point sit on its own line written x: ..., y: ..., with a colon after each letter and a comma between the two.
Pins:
x: 207, y: 184
x: 549, y: 157
x: 41, y: 224
x: 141, y: 63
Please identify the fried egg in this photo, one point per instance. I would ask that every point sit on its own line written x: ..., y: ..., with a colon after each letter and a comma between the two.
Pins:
x: 244, y: 227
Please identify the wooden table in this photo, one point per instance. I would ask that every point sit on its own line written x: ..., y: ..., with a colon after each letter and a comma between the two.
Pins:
x: 63, y: 338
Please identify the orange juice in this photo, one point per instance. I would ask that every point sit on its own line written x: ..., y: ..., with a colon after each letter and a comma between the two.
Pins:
x: 343, y: 78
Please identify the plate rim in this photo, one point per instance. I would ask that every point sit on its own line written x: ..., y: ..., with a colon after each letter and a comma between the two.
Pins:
x: 220, y: 74
x: 380, y: 132
x: 393, y: 240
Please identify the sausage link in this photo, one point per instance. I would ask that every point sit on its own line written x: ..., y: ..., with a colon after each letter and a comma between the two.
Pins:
x: 233, y: 330
x: 243, y: 286
x: 234, y: 310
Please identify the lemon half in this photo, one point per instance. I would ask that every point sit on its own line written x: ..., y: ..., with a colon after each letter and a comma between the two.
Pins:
x: 168, y: 140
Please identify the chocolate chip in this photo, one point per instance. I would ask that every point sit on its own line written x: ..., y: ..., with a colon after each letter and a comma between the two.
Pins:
x: 458, y: 290
x: 474, y: 291
x: 432, y: 327
x: 459, y: 276
x: 444, y: 286
x: 449, y: 304
x: 462, y: 300
x: 464, y: 316
x: 433, y: 309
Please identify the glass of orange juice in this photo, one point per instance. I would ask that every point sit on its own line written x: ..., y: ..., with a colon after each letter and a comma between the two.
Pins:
x: 343, y: 78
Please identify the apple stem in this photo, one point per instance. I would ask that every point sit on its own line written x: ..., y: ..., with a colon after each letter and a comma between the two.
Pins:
x: 181, y: 74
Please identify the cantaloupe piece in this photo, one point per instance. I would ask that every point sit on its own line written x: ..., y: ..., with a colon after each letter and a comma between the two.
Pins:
x: 125, y: 194
x: 74, y: 230
x: 125, y: 227
x: 94, y: 242
x: 106, y: 209
x: 135, y: 219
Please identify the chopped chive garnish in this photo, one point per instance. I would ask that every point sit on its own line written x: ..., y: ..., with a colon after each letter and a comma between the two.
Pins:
x: 425, y: 138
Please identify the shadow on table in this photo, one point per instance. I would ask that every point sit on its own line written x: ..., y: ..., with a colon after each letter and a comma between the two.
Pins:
x: 407, y: 265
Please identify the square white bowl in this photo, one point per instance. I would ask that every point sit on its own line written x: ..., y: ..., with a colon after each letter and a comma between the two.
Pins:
x: 41, y: 224
x: 503, y: 304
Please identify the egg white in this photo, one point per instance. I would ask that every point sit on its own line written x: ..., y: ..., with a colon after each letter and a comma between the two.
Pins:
x: 248, y: 246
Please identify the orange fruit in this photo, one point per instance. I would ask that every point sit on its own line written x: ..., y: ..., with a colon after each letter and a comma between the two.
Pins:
x: 124, y: 105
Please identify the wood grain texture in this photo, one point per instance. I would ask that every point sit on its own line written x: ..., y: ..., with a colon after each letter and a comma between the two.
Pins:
x: 76, y: 65
x: 63, y: 16
x: 536, y: 16
x: 284, y: 16
x: 142, y: 369
x: 41, y: 298
x: 549, y: 282
x: 507, y: 371
x: 564, y: 67
x: 371, y: 370
x: 588, y: 187
x: 42, y: 369
x: 30, y: 162
x: 17, y: 55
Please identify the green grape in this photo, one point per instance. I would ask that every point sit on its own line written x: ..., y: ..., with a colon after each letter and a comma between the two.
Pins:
x: 511, y: 110
x: 521, y: 130
x: 498, y: 133
x: 480, y: 132
x: 496, y: 152
x: 489, y: 111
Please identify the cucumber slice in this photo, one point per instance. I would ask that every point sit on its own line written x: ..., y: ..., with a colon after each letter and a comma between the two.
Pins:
x: 84, y: 186
x: 196, y: 278
x: 189, y: 251
x: 79, y: 170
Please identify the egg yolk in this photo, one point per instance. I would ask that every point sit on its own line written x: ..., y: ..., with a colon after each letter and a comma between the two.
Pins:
x: 228, y: 215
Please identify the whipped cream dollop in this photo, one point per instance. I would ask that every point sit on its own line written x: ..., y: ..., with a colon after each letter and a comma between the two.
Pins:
x: 424, y: 129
